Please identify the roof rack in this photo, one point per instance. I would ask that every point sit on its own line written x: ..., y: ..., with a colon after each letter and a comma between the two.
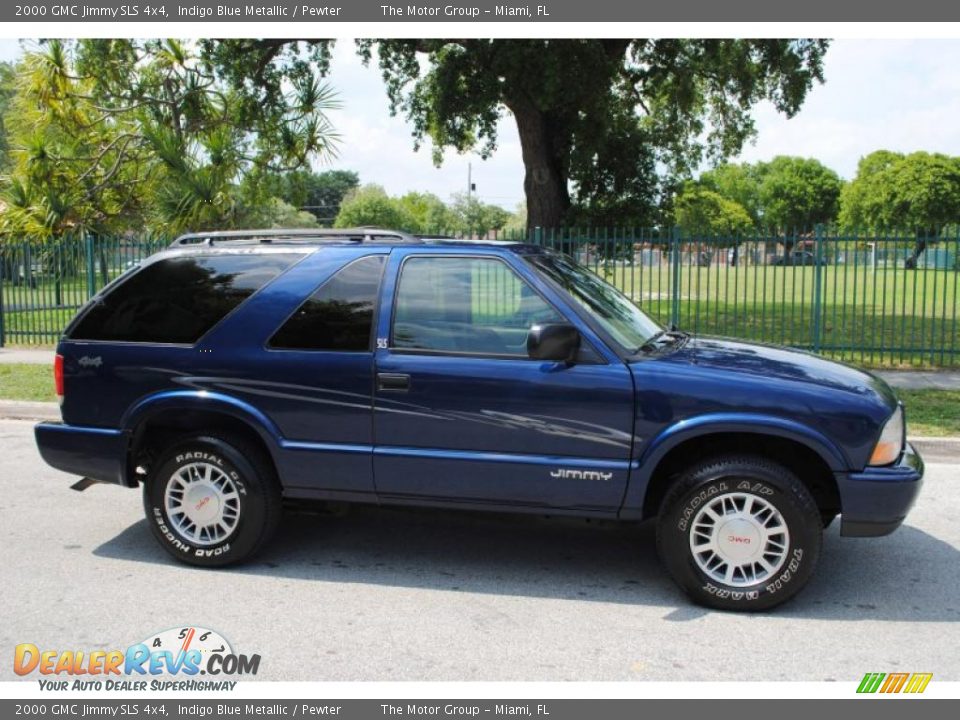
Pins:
x: 296, y: 236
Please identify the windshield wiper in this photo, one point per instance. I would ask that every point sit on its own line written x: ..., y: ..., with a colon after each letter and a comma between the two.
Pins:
x: 664, y: 338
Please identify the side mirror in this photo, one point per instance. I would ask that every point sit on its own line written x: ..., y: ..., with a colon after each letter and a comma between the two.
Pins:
x: 559, y: 342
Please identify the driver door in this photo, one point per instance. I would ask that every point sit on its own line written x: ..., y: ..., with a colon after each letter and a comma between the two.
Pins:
x: 463, y: 415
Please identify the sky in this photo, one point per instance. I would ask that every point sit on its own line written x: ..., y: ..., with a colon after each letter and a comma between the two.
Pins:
x: 901, y: 95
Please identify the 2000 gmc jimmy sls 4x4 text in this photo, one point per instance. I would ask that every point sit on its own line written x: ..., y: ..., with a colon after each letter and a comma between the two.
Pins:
x: 238, y: 369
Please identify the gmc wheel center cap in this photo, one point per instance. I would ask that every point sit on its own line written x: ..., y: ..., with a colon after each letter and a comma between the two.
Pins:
x: 202, y: 503
x: 739, y: 540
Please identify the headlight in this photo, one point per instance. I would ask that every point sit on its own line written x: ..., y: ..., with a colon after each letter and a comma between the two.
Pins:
x: 890, y: 444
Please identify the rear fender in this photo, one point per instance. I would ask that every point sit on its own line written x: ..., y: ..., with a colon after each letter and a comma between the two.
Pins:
x: 208, y: 402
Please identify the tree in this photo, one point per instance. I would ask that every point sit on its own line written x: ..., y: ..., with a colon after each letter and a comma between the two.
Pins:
x: 919, y: 192
x: 594, y: 114
x: 112, y: 134
x: 478, y: 218
x: 275, y: 213
x: 428, y: 213
x: 737, y: 182
x: 797, y: 193
x: 704, y: 213
x: 370, y: 205
x: 7, y: 91
x: 317, y: 193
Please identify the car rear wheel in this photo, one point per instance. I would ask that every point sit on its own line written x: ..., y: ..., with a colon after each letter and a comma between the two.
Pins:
x: 211, y: 501
x: 739, y: 532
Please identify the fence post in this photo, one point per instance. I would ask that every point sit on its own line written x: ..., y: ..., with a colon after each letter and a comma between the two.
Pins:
x: 675, y: 277
x: 817, y: 287
x: 91, y: 268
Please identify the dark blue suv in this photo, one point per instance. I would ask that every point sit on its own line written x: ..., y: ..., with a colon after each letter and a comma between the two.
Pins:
x: 237, y: 370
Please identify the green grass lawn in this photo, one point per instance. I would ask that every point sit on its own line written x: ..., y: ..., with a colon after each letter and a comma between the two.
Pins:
x: 874, y: 318
x: 929, y: 412
x: 932, y: 412
x: 27, y: 382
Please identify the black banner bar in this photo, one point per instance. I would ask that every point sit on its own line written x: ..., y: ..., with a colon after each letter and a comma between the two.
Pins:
x: 578, y: 11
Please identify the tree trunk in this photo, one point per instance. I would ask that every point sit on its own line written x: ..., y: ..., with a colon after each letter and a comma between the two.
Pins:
x: 911, y: 262
x: 544, y: 182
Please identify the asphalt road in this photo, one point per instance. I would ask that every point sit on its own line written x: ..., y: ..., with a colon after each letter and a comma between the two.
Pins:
x: 387, y: 594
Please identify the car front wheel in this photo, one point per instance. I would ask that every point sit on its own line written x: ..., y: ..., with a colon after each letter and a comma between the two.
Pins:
x: 211, y: 501
x: 739, y: 532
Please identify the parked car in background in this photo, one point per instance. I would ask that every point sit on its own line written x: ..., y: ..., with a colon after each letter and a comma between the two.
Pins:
x: 798, y: 257
x: 237, y: 370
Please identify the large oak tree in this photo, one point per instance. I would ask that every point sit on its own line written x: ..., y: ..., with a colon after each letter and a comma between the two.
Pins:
x: 595, y: 117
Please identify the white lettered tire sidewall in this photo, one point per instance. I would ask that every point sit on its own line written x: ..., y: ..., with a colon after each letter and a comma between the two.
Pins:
x: 257, y: 494
x: 754, y: 476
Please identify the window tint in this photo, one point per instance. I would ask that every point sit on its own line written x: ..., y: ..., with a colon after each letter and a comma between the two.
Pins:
x: 178, y: 299
x: 471, y: 305
x: 339, y: 315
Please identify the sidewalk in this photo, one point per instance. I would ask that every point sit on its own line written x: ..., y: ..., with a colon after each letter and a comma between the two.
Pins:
x: 28, y: 356
x: 906, y: 379
x: 921, y: 379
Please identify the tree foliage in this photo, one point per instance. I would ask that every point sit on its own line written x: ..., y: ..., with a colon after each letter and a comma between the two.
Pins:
x: 111, y: 133
x: 786, y: 194
x: 597, y: 116
x: 370, y: 205
x: 426, y: 213
x: 919, y: 191
x: 420, y: 213
x: 319, y: 193
x: 739, y: 182
x: 797, y: 193
x: 700, y: 212
x: 7, y: 92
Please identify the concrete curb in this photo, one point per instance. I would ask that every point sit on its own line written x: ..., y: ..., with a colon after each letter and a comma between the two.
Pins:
x: 24, y: 410
x: 933, y: 449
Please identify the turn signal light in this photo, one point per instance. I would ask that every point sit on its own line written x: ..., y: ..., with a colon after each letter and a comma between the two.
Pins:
x: 890, y: 444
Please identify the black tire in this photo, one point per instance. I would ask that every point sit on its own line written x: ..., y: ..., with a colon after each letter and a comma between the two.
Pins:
x: 739, y: 477
x: 258, y: 499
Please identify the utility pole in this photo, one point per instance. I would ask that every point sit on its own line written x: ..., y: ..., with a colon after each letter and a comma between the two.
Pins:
x: 470, y: 187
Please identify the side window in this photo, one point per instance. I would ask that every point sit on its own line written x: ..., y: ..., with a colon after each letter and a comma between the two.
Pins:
x: 179, y: 299
x: 339, y: 315
x: 468, y: 305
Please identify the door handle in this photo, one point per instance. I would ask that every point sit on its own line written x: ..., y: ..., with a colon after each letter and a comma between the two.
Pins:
x: 397, y: 382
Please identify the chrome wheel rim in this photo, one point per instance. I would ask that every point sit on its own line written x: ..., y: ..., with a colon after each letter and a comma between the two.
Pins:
x: 739, y: 539
x: 202, y: 503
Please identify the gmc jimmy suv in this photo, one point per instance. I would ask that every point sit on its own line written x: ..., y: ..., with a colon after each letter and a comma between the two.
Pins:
x: 236, y: 370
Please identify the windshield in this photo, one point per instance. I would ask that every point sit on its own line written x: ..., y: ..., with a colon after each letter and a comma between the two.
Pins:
x: 622, y: 320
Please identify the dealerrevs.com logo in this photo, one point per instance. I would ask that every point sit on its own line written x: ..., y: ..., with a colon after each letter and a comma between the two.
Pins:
x: 169, y: 660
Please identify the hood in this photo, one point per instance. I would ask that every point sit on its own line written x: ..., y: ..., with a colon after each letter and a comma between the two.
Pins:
x: 773, y: 362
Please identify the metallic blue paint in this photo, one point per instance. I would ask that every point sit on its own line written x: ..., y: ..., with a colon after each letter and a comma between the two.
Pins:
x: 876, y: 501
x: 99, y: 453
x: 473, y: 430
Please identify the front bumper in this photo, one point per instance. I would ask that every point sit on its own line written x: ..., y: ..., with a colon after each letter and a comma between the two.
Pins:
x: 97, y: 453
x: 876, y: 501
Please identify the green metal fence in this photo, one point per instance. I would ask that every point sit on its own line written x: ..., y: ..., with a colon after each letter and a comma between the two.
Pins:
x: 875, y: 300
x: 43, y: 284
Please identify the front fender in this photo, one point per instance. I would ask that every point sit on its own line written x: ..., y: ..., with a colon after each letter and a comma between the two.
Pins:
x: 670, y: 437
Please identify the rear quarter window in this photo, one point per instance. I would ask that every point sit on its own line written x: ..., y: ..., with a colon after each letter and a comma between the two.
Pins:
x: 178, y: 299
x: 339, y: 315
